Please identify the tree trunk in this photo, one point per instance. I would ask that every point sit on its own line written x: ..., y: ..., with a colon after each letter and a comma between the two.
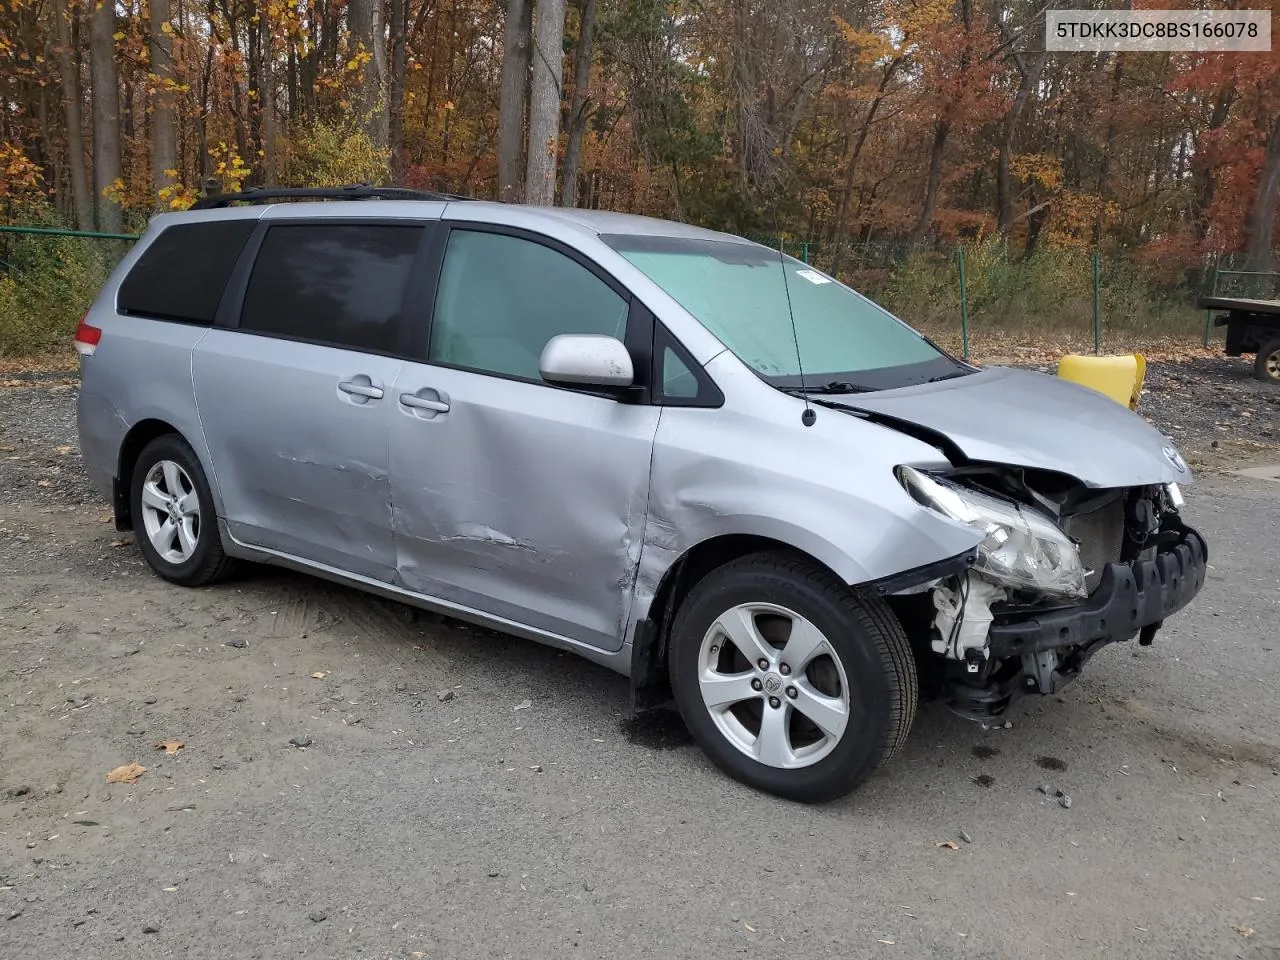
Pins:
x: 1202, y: 170
x: 578, y: 112
x: 82, y: 199
x: 544, y: 102
x: 365, y: 18
x: 940, y: 133
x: 513, y: 98
x: 106, y: 114
x: 1262, y: 215
x: 1029, y: 78
x: 395, y: 91
x: 266, y: 92
x: 164, y: 127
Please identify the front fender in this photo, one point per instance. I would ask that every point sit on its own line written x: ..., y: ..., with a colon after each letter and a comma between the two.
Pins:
x: 827, y: 490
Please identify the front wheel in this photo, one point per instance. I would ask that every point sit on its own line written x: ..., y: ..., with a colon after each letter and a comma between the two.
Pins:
x: 788, y: 680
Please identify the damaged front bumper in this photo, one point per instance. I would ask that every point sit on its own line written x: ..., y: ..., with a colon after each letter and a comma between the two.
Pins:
x: 1042, y: 651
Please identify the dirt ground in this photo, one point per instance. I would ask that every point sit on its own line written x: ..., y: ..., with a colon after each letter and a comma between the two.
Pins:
x: 357, y: 778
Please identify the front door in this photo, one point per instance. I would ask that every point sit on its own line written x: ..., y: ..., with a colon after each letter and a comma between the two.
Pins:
x: 510, y: 496
x: 297, y: 403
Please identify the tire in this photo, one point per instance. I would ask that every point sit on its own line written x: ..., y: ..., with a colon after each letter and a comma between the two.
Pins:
x: 1267, y: 365
x: 190, y: 553
x: 863, y: 663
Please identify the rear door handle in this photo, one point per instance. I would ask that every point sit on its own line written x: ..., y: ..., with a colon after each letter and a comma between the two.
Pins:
x: 361, y: 389
x: 423, y: 403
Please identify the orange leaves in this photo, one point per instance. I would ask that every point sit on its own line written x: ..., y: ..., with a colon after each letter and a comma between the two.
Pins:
x: 129, y: 773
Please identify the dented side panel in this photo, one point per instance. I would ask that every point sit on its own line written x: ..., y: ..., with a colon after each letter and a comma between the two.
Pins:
x: 750, y: 467
x: 302, y: 466
x: 522, y: 500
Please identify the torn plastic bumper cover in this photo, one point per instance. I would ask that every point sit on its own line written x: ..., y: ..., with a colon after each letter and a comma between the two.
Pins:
x: 1132, y: 598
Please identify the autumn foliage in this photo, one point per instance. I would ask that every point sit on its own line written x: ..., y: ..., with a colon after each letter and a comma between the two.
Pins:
x: 848, y: 123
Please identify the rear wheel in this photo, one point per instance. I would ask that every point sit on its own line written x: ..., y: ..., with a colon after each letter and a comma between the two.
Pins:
x: 788, y: 680
x: 1267, y: 366
x: 173, y: 515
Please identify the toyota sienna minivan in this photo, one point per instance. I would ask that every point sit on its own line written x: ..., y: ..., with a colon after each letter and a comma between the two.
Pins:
x: 680, y: 454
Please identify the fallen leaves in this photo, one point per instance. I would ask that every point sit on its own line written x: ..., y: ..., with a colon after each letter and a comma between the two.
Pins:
x: 319, y: 675
x: 1244, y: 931
x: 948, y: 845
x: 129, y: 773
x: 170, y: 746
x: 65, y: 450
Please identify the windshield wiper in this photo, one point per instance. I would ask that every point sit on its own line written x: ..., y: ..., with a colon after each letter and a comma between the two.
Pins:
x: 840, y: 386
x: 946, y: 376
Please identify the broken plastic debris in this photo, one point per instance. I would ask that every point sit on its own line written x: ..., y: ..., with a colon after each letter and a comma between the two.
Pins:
x: 523, y: 705
x: 129, y: 773
x: 170, y: 746
x: 318, y: 675
x: 948, y: 844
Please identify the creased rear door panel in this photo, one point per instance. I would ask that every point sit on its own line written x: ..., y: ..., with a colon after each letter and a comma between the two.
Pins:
x: 302, y: 465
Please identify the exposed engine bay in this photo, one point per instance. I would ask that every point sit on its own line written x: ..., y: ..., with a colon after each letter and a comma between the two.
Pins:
x: 1062, y: 570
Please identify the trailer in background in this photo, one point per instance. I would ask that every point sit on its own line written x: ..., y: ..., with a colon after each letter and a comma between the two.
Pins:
x: 1253, y: 327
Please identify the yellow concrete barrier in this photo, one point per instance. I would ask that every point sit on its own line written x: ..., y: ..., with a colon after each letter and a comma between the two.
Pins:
x: 1119, y: 378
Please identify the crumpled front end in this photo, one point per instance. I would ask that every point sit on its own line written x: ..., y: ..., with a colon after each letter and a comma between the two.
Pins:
x: 1062, y: 571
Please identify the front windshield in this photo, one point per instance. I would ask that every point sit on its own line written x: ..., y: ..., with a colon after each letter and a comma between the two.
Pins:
x: 737, y: 292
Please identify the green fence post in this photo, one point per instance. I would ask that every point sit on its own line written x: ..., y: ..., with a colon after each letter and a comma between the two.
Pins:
x: 1213, y: 292
x: 1097, y: 312
x: 964, y: 305
x: 804, y: 252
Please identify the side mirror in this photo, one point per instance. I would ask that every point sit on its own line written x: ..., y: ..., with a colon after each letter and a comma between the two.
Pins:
x: 589, y: 360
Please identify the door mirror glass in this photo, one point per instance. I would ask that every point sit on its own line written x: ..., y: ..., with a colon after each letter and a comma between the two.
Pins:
x: 586, y: 360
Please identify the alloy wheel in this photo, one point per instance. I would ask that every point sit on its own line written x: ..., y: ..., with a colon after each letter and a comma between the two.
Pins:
x: 773, y: 685
x: 171, y: 511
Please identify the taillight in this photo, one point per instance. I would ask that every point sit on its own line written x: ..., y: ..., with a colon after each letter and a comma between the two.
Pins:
x: 87, y: 337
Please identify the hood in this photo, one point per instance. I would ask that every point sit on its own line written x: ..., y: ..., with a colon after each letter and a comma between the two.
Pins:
x: 1032, y: 420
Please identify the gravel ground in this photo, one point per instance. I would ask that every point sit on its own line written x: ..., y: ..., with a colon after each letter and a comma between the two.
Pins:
x: 358, y: 778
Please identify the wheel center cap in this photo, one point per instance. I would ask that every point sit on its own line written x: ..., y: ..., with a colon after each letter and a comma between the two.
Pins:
x: 772, y: 683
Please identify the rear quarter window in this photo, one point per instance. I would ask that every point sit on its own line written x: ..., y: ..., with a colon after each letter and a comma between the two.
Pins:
x: 182, y: 274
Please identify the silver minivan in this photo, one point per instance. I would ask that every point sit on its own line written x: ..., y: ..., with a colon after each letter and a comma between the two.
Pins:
x: 706, y: 465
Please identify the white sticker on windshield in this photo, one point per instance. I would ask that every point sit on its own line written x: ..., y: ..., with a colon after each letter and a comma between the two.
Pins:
x: 813, y: 276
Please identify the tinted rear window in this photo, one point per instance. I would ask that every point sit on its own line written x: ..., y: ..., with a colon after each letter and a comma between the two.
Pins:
x: 338, y: 284
x: 181, y: 275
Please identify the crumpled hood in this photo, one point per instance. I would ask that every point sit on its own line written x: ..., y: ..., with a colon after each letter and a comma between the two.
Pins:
x: 1020, y: 418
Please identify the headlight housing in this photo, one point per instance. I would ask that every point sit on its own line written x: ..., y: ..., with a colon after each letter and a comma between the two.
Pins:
x: 1021, y: 548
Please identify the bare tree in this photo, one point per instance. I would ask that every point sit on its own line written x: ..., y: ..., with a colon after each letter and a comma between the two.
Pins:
x: 1262, y: 214
x: 164, y: 130
x: 513, y: 99
x: 71, y: 100
x: 395, y: 89
x: 365, y: 17
x: 578, y: 111
x: 544, y: 102
x: 106, y: 113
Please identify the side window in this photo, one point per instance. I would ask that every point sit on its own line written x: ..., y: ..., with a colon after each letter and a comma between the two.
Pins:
x: 501, y: 298
x: 684, y: 382
x: 678, y: 381
x: 339, y: 284
x: 181, y: 275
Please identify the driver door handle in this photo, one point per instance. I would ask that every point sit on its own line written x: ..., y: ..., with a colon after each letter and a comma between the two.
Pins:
x: 361, y: 389
x: 422, y: 403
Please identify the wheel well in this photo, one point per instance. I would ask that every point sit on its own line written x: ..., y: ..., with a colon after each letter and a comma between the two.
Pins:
x: 139, y: 435
x: 649, y: 684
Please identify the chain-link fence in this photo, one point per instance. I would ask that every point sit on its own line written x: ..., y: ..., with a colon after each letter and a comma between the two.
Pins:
x: 48, y: 278
x: 49, y: 275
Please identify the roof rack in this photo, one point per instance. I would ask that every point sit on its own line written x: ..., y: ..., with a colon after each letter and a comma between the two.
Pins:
x: 357, y: 191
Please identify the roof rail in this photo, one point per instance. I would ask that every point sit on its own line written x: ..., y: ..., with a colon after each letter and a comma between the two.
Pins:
x: 357, y: 191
